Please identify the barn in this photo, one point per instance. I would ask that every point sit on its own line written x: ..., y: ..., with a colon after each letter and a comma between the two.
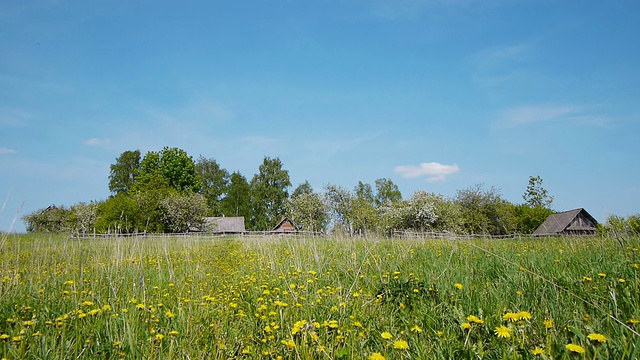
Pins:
x: 285, y: 225
x: 576, y: 222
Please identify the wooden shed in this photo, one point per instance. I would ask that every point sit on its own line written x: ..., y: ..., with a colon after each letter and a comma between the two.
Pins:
x: 285, y: 225
x: 223, y: 224
x: 572, y: 222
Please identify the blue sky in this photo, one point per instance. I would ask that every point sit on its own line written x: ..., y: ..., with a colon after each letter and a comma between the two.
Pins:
x: 436, y: 95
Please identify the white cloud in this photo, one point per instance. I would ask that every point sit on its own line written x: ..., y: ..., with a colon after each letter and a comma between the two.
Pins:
x: 530, y: 114
x: 7, y: 151
x: 435, y: 172
x: 96, y: 142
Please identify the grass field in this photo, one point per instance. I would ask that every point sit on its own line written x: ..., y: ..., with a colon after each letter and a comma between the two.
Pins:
x: 286, y: 298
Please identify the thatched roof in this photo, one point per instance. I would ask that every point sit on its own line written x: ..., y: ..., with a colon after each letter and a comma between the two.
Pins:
x: 568, y: 222
x: 225, y: 224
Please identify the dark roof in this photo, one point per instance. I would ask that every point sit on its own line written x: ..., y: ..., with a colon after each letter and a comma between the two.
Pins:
x: 282, y: 222
x: 568, y: 221
x: 225, y: 224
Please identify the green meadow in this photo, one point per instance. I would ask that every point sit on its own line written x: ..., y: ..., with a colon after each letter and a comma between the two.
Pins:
x: 319, y: 298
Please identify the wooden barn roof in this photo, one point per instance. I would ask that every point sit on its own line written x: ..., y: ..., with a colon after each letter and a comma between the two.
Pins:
x: 226, y: 224
x: 282, y: 222
x: 564, y: 221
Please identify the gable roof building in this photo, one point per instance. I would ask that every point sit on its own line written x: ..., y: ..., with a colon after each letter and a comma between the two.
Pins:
x: 223, y: 224
x: 285, y: 225
x: 572, y: 222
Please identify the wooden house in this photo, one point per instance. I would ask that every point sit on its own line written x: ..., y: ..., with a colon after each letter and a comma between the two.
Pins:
x: 572, y: 222
x: 285, y: 225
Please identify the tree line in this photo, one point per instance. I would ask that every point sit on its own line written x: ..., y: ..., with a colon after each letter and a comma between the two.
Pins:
x: 169, y: 191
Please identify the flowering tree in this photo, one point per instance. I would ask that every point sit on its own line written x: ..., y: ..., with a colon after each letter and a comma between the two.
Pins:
x: 182, y: 212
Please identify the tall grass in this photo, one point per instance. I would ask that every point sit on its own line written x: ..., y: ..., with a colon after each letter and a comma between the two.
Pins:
x: 198, y: 298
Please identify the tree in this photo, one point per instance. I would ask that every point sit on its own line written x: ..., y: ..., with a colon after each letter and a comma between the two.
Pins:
x: 364, y: 216
x: 171, y: 167
x: 449, y: 215
x: 617, y: 226
x: 417, y: 213
x: 183, y: 212
x: 237, y: 201
x: 214, y: 181
x: 536, y: 195
x: 386, y: 192
x: 339, y: 203
x: 120, y: 214
x: 269, y: 194
x: 83, y: 217
x: 150, y: 211
x: 52, y: 219
x: 304, y: 188
x: 421, y: 214
x: 306, y: 209
x: 484, y: 211
x: 124, y: 172
x: 364, y: 192
x: 529, y: 218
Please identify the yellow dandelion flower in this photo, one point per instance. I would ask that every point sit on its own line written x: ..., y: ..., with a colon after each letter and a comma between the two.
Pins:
x: 502, y: 332
x: 290, y: 344
x: 475, y: 319
x: 575, y: 348
x: 400, y: 345
x: 524, y: 315
x: 458, y: 286
x: 597, y: 337
x: 416, y: 328
x: 511, y: 316
x: 633, y: 321
x: 16, y: 338
x: 537, y: 351
x: 602, y: 275
x: 87, y: 303
x: 376, y: 356
x: 465, y: 326
x: 174, y: 332
x: 621, y: 280
x: 587, y: 278
x: 298, y: 326
x: 4, y: 336
x: 386, y: 335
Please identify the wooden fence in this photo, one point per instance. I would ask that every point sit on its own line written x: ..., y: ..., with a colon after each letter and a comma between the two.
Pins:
x: 197, y: 235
